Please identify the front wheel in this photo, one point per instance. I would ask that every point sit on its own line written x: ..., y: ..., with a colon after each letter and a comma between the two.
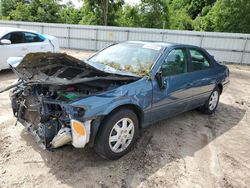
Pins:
x: 117, y: 134
x: 211, y: 104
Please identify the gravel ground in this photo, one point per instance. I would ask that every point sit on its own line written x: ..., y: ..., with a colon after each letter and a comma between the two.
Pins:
x: 189, y: 150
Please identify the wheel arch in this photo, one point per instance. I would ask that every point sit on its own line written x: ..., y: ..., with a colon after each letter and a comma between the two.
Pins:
x: 136, y: 109
x: 96, y: 125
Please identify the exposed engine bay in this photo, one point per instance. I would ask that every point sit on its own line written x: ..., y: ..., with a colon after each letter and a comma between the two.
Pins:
x: 47, y: 84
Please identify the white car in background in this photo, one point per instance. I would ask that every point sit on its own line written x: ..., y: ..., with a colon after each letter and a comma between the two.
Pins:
x: 15, y: 42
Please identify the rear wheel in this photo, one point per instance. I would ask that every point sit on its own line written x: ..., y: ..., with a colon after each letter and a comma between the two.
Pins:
x: 212, y: 102
x: 117, y: 134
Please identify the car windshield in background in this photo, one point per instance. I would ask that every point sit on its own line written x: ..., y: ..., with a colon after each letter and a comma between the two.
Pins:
x: 136, y: 58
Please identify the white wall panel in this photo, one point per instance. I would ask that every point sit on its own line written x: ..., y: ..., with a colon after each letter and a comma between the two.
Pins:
x: 82, y: 44
x: 56, y: 31
x: 232, y: 57
x: 192, y: 40
x: 109, y: 35
x: 223, y: 43
x: 145, y: 36
x: 83, y: 33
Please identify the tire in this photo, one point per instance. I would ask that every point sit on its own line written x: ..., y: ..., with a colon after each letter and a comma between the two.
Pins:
x: 211, y: 104
x: 117, y: 134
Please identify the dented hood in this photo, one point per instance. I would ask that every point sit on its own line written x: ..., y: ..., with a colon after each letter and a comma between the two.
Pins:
x: 62, y: 69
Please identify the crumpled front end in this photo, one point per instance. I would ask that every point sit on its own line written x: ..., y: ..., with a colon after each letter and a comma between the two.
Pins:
x: 48, y: 86
x: 53, y: 123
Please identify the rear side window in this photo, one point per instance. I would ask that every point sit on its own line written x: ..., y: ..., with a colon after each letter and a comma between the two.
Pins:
x: 15, y: 37
x: 32, y: 37
x: 199, y: 61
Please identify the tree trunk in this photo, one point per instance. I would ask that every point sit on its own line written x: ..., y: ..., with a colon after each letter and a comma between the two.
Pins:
x: 105, y: 6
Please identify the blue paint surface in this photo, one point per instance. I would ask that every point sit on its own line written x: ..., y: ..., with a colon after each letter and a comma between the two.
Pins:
x: 183, y: 92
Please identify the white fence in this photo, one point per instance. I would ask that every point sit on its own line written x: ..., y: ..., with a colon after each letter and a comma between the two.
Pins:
x: 226, y: 47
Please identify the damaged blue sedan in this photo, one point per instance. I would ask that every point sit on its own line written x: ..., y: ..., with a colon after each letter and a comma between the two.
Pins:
x: 106, y: 100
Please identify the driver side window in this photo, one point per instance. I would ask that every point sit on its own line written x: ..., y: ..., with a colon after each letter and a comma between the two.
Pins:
x: 175, y: 63
x: 15, y: 37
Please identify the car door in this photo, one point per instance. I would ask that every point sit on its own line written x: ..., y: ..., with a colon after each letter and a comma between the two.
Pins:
x: 201, y: 75
x: 15, y: 49
x: 36, y: 43
x: 177, y: 94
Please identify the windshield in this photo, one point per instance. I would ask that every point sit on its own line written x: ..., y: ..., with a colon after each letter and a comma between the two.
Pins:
x: 137, y: 58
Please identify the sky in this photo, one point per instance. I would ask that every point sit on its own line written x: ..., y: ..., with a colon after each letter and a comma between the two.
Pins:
x: 78, y: 3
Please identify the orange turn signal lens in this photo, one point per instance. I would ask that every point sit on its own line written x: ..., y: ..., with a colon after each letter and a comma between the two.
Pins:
x: 78, y: 127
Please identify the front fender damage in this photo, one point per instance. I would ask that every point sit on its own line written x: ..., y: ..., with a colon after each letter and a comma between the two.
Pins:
x: 44, y: 98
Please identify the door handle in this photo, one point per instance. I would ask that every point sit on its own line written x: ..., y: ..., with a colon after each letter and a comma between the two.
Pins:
x: 24, y: 49
x: 42, y: 47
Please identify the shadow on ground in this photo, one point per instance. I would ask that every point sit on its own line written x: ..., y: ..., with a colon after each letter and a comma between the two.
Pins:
x: 159, y: 145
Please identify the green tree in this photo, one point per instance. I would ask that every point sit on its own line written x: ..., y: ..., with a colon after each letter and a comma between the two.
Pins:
x: 195, y: 8
x: 8, y: 5
x: 226, y: 16
x: 180, y: 22
x: 45, y: 10
x: 178, y: 15
x: 154, y: 13
x: 21, y: 13
x: 101, y: 12
x: 69, y: 14
x: 129, y: 16
x: 148, y: 13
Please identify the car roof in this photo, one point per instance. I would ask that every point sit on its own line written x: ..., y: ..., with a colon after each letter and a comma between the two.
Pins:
x: 164, y: 44
x: 6, y: 30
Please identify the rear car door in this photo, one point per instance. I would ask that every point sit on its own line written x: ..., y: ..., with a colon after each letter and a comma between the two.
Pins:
x: 177, y: 94
x: 36, y: 43
x: 201, y: 75
x: 16, y: 48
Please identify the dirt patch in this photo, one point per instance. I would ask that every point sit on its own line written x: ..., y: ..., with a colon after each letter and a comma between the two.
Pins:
x: 189, y: 150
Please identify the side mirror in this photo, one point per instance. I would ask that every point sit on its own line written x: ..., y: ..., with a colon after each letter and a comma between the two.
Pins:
x: 160, y: 80
x: 5, y: 42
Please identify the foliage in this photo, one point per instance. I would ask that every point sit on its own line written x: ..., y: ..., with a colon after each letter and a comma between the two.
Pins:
x: 227, y: 16
x: 129, y: 16
x: 138, y: 69
x: 69, y: 14
x: 153, y: 13
x: 21, y: 13
x: 101, y: 12
x: 201, y: 15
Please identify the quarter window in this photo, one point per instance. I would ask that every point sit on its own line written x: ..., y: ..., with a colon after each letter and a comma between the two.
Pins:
x: 198, y: 61
x: 175, y: 63
x: 32, y: 37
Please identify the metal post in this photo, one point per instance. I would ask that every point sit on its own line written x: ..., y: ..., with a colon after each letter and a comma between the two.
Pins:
x: 42, y: 29
x: 243, y: 51
x: 128, y: 34
x: 162, y: 38
x: 96, y: 41
x: 69, y: 37
x: 202, y: 36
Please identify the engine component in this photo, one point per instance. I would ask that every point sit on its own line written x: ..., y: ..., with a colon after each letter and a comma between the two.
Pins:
x: 69, y: 95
